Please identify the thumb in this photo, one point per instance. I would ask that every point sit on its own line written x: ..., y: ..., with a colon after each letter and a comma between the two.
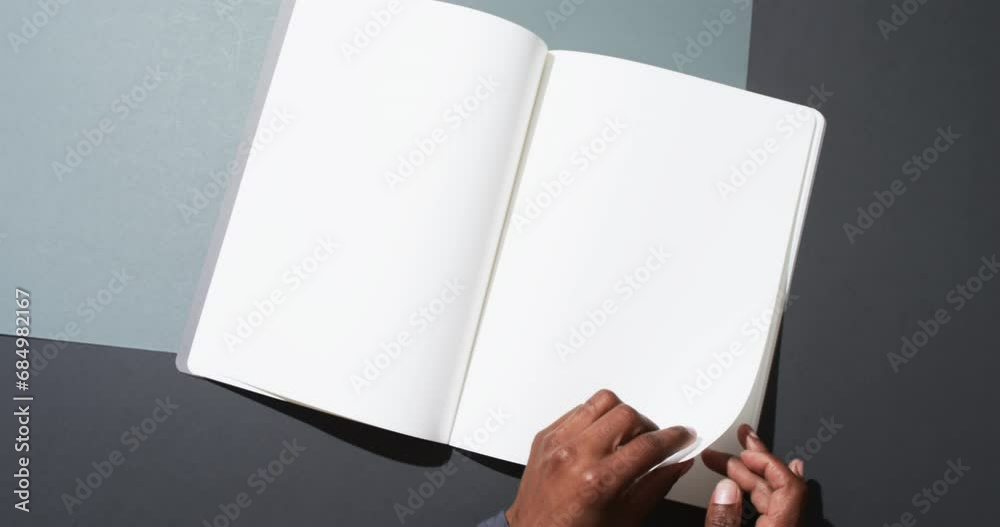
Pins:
x: 726, y: 506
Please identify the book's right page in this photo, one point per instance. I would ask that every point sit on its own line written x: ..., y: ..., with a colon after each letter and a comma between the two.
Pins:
x: 647, y: 250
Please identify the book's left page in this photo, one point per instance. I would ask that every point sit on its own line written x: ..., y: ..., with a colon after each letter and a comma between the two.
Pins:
x: 352, y: 272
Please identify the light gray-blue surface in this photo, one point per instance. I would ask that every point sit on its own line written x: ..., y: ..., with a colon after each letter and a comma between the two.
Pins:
x: 116, y: 113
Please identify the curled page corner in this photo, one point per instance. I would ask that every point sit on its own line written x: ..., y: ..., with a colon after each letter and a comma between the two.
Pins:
x: 689, y: 452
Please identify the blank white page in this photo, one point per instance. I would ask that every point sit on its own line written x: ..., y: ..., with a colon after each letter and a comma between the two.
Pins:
x: 625, y: 265
x: 353, y: 269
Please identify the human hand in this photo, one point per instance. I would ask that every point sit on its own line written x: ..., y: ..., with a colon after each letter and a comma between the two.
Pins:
x: 777, y: 491
x: 592, y: 466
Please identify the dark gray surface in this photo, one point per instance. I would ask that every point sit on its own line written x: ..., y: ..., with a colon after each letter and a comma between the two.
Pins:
x: 854, y: 303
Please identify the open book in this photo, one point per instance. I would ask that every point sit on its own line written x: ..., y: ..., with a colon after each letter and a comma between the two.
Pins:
x: 451, y: 232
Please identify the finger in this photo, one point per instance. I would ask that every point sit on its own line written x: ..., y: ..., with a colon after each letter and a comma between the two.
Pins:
x: 646, y: 451
x: 558, y: 422
x: 652, y: 487
x: 771, y: 468
x: 726, y: 506
x: 644, y: 425
x: 741, y: 434
x: 543, y: 439
x: 798, y: 467
x: 614, y: 429
x: 750, y: 440
x: 733, y: 468
x: 599, y: 404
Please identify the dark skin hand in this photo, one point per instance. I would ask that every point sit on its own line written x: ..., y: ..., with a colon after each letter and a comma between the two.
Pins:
x: 594, y: 467
x: 777, y: 491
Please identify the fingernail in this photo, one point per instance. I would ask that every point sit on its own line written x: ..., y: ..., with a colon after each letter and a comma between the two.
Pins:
x: 799, y: 467
x: 690, y: 432
x: 726, y: 493
x: 693, y: 443
x: 755, y: 439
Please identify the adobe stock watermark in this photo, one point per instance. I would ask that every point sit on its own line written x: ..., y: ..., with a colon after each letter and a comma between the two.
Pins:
x: 224, y: 9
x: 699, y: 43
x: 88, y: 310
x: 219, y: 181
x: 828, y: 429
x: 915, y: 167
x: 931, y: 495
x: 419, y: 320
x: 32, y: 25
x: 898, y: 17
x: 120, y: 108
x: 752, y: 331
x: 367, y: 33
x: 258, y: 481
x: 435, y: 480
x: 96, y: 304
x: 563, y: 11
x: 785, y: 128
x: 625, y: 288
x: 580, y: 160
x: 131, y: 440
x: 292, y: 280
x: 425, y: 147
x: 957, y: 298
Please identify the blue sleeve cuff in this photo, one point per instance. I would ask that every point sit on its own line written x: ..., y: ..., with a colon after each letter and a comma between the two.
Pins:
x: 500, y: 520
